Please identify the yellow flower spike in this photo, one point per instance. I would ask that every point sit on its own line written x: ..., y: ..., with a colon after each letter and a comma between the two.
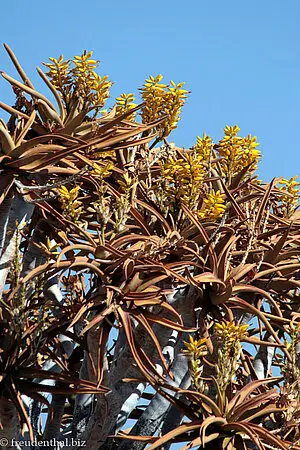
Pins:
x: 228, y: 330
x: 102, y: 171
x: 127, y: 183
x: 203, y: 147
x: 63, y: 190
x: 229, y: 335
x: 124, y: 103
x: 59, y: 73
x: 196, y: 349
x: 214, y: 206
x: 72, y: 207
x: 162, y: 100
x: 184, y: 178
x: 80, y: 80
x: 196, y: 346
x: 237, y: 152
x: 290, y: 195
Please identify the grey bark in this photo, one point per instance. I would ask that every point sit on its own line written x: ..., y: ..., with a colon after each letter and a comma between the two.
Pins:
x: 108, y: 407
x: 156, y: 412
x: 13, y: 209
x: 263, y: 359
x: 83, y: 403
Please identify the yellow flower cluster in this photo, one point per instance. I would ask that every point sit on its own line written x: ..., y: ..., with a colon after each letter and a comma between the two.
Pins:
x: 184, y: 176
x: 59, y: 73
x: 72, y: 207
x: 68, y: 196
x: 88, y: 84
x: 230, y: 335
x: 174, y: 100
x: 84, y: 64
x: 196, y: 348
x: 81, y: 81
x: 290, y: 194
x: 102, y: 172
x: 294, y: 332
x: 127, y: 183
x: 163, y: 100
x: 237, y: 152
x: 214, y: 206
x: 230, y: 332
x: 204, y: 146
x: 152, y: 93
x: 125, y: 103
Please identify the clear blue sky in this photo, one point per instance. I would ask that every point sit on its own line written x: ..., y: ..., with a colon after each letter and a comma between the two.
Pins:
x: 240, y: 59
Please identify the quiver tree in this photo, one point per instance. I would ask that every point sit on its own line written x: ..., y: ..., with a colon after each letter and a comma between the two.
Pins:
x: 149, y: 294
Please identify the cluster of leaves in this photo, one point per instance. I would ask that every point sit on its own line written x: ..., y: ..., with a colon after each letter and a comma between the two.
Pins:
x: 123, y: 227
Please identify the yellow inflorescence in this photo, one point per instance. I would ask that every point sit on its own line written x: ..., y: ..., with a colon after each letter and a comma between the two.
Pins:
x: 163, y: 100
x: 125, y: 103
x: 152, y: 94
x: 80, y: 81
x: 88, y: 84
x: 185, y: 176
x: 290, y: 194
x: 127, y: 183
x: 196, y: 347
x: 59, y: 73
x: 72, y: 207
x: 229, y: 335
x: 237, y: 152
x: 204, y: 146
x: 102, y: 172
x: 174, y: 100
x: 230, y: 332
x: 67, y: 196
x: 214, y: 206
